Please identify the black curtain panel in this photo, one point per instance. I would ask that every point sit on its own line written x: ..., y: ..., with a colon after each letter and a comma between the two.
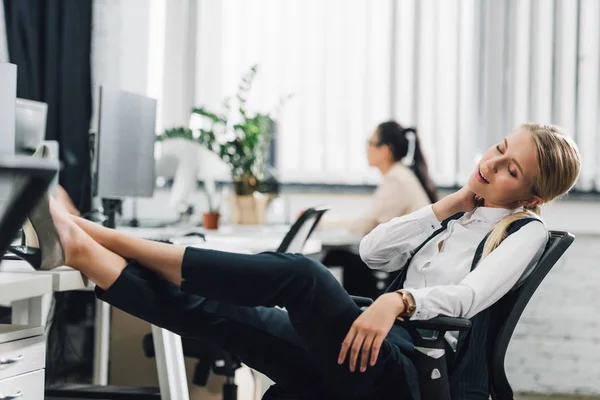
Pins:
x: 50, y: 42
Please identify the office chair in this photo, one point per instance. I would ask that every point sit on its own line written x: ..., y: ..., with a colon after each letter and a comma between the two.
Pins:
x: 435, y: 378
x: 223, y: 363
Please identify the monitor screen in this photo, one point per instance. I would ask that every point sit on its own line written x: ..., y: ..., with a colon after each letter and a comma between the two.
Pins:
x: 30, y: 125
x: 8, y: 94
x: 125, y: 139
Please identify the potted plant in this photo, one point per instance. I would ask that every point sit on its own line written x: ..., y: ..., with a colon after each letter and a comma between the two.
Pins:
x: 212, y: 217
x: 242, y: 139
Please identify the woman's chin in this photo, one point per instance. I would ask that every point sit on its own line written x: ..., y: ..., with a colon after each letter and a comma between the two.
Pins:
x: 476, y: 188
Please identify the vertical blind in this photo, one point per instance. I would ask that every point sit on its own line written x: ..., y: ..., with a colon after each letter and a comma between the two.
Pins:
x: 465, y: 72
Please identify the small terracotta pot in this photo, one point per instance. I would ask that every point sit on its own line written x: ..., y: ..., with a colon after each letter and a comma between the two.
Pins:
x: 211, y: 220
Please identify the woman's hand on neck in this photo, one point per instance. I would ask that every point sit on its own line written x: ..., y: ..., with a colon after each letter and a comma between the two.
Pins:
x: 461, y: 201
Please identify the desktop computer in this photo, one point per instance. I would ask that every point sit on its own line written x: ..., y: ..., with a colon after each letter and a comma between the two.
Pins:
x: 124, y: 163
x: 124, y: 157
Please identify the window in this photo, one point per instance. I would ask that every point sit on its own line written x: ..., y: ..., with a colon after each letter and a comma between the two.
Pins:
x: 464, y: 72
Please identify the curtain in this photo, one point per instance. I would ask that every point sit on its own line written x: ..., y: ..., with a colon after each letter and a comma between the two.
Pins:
x: 49, y: 41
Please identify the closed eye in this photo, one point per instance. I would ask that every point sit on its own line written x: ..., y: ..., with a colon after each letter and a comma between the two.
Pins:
x: 499, y: 150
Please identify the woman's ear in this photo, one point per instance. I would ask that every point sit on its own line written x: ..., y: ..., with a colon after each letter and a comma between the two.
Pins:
x: 533, y: 201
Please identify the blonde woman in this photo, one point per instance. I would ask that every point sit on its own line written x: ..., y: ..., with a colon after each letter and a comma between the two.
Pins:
x: 323, y: 345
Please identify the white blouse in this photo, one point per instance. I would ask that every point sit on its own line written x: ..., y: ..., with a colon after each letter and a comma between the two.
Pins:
x: 441, y: 281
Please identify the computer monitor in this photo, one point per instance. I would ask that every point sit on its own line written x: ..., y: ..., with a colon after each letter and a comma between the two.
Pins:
x: 8, y: 95
x: 30, y: 125
x: 124, y: 157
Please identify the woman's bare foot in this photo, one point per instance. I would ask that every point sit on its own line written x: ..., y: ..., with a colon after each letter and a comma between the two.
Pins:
x: 71, y: 236
x: 83, y: 253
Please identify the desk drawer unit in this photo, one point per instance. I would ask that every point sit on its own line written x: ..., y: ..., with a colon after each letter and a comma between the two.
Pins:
x: 22, y: 356
x: 23, y: 387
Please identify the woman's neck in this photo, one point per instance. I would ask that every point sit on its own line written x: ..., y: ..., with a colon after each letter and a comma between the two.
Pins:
x: 489, y: 204
x: 385, y: 168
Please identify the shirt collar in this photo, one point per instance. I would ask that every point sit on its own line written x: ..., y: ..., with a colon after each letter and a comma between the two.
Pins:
x: 489, y: 214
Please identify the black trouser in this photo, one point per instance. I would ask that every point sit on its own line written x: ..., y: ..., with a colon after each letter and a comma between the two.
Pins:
x: 226, y: 301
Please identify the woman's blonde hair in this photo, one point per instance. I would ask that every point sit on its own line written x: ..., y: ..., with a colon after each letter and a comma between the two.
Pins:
x: 559, y: 163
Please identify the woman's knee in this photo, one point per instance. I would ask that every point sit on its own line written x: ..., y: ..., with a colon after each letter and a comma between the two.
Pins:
x: 308, y: 269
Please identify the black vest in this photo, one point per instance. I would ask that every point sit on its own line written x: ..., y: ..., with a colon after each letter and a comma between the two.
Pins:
x: 469, y: 372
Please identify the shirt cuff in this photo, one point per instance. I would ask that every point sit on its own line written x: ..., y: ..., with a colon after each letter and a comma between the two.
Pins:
x: 421, y: 312
x: 427, y: 219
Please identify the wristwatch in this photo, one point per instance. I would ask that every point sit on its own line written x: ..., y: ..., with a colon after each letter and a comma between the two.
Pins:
x: 409, y: 303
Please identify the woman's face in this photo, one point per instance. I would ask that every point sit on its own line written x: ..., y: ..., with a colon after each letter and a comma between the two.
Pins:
x: 504, y: 176
x: 377, y: 154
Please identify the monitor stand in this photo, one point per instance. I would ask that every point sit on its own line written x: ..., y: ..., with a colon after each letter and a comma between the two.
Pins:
x: 111, y: 207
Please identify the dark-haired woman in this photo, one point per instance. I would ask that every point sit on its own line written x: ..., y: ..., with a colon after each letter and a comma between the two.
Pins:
x: 405, y: 187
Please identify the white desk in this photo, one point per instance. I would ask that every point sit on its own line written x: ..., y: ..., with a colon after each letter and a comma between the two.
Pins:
x: 63, y: 279
x: 25, y: 292
x: 35, y: 310
x: 329, y: 238
x: 17, y: 286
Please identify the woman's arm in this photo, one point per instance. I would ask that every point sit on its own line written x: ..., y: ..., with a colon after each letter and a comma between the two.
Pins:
x: 388, y: 246
x: 489, y: 282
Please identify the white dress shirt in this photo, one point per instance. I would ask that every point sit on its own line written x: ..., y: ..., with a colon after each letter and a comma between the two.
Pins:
x: 441, y: 281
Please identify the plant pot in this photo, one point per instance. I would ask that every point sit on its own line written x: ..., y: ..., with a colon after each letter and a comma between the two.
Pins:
x: 244, y: 185
x: 250, y: 209
x: 211, y: 220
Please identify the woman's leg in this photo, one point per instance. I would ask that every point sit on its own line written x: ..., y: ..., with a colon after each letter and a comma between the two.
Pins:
x: 320, y: 310
x: 162, y: 258
x: 102, y: 266
x: 263, y: 338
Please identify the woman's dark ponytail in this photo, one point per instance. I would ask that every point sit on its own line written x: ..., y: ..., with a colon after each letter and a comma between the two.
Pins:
x: 400, y: 143
x: 419, y: 167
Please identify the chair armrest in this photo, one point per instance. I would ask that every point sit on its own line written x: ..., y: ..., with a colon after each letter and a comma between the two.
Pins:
x: 362, y: 301
x: 441, y: 323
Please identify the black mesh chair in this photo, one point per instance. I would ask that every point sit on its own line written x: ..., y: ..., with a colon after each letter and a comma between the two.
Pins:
x: 223, y: 363
x: 23, y: 181
x: 430, y: 333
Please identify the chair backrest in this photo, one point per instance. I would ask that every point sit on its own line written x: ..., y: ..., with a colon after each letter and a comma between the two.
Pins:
x: 508, y: 310
x: 23, y: 181
x: 294, y: 240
